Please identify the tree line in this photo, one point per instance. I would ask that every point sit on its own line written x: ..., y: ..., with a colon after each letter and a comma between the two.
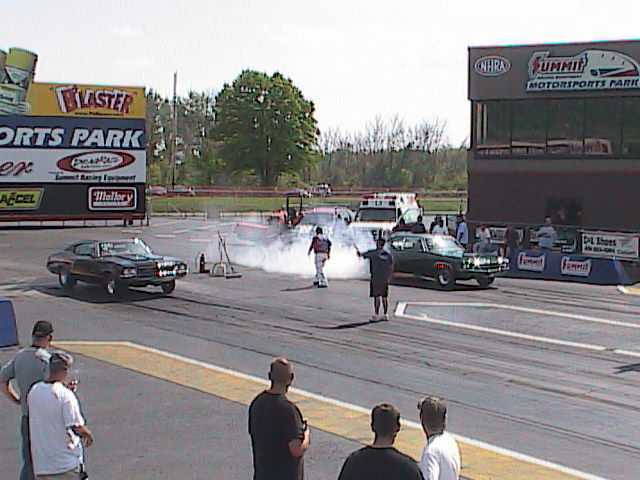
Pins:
x: 260, y: 130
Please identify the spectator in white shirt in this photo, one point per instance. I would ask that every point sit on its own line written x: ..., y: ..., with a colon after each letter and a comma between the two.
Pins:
x: 483, y: 239
x: 546, y: 235
x: 462, y: 231
x: 57, y: 427
x: 439, y: 228
x: 440, y: 458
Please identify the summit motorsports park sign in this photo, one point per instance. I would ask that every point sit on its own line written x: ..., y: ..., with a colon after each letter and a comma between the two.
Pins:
x: 68, y: 151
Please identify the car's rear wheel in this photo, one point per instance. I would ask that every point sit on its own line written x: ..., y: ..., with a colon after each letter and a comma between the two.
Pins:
x: 446, y: 278
x: 168, y: 287
x: 66, y: 279
x: 484, y: 281
x: 111, y: 285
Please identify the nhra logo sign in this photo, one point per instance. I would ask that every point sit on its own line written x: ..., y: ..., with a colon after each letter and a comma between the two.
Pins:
x: 531, y: 263
x: 575, y: 268
x: 492, y: 66
x: 112, y: 198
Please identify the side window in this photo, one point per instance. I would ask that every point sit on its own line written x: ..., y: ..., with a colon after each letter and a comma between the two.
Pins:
x: 84, y: 249
x: 412, y: 243
x: 397, y: 244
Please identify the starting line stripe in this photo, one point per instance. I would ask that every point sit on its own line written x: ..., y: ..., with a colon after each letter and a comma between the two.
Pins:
x: 480, y: 461
x: 402, y: 306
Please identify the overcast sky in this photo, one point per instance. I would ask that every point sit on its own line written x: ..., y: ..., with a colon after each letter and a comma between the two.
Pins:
x: 354, y: 59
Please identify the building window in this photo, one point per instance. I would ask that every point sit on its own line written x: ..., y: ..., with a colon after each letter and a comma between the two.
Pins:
x: 565, y: 127
x: 602, y: 126
x: 631, y: 127
x: 529, y: 127
x: 493, y: 128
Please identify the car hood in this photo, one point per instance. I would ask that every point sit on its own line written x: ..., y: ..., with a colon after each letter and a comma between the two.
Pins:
x: 371, y: 225
x: 141, y: 259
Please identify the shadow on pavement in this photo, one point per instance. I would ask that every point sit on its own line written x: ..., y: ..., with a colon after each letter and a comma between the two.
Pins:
x: 95, y: 294
x: 346, y: 325
x: 310, y: 287
x: 428, y: 284
x: 634, y: 367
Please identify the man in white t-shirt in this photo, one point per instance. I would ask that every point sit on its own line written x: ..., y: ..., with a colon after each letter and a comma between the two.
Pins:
x: 57, y: 427
x: 546, y: 235
x: 440, y: 458
x: 439, y: 228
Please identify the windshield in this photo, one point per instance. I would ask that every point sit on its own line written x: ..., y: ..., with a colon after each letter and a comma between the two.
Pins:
x: 376, y: 215
x: 445, y: 245
x: 316, y: 218
x: 124, y: 247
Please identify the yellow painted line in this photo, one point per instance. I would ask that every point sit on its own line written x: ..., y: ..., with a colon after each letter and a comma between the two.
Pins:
x: 629, y: 290
x: 479, y: 461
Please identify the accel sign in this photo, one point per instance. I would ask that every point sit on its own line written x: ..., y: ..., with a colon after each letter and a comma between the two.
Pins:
x: 588, y: 70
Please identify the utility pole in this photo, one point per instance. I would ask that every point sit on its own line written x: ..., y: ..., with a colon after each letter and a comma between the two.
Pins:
x: 174, y: 129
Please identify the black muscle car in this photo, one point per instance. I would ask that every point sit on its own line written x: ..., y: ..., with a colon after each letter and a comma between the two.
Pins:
x: 442, y: 258
x: 115, y: 264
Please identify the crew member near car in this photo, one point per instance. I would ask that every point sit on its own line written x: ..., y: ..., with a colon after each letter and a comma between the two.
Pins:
x: 321, y: 246
x: 381, y: 268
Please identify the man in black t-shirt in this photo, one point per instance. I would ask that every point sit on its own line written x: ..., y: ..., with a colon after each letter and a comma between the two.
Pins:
x: 279, y: 435
x: 381, y: 461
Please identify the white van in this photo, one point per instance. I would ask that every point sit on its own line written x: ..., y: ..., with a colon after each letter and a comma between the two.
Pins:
x: 378, y: 213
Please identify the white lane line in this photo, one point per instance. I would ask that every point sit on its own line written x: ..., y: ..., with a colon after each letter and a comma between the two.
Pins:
x: 536, y: 311
x: 131, y: 230
x: 166, y: 224
x: 622, y: 289
x: 216, y: 225
x: 509, y: 333
x: 350, y: 406
x: 182, y: 230
x: 200, y: 240
x: 165, y: 235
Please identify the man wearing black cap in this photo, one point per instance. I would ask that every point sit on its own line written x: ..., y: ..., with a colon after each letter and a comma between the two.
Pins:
x: 380, y: 460
x: 58, y: 429
x: 28, y: 367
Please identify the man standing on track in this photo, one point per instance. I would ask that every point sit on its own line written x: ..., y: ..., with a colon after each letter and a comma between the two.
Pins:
x: 279, y: 435
x: 28, y: 367
x: 321, y: 246
x: 381, y: 268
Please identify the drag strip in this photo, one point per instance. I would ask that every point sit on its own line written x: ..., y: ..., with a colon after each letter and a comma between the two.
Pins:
x: 480, y: 460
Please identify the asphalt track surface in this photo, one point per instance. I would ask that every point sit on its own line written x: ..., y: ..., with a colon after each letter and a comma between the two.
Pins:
x: 548, y: 371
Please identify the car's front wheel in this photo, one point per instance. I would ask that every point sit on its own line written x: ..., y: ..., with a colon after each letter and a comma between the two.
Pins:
x: 111, y: 285
x: 445, y: 277
x: 66, y: 279
x: 168, y: 287
x: 485, y: 280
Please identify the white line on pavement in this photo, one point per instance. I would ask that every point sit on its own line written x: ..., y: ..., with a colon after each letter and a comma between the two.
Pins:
x: 200, y: 240
x: 537, y: 311
x: 182, y: 230
x: 400, y: 312
x: 165, y: 235
x: 350, y: 406
x: 166, y: 224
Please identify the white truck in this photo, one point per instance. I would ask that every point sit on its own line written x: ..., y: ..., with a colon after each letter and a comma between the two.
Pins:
x: 378, y: 213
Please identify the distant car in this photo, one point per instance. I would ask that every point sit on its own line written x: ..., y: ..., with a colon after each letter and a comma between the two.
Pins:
x: 157, y: 190
x: 116, y: 265
x: 442, y: 258
x: 322, y: 190
x: 182, y: 190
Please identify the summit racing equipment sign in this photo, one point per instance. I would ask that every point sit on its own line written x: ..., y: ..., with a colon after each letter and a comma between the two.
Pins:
x: 588, y: 70
x: 531, y: 263
x: 20, y: 198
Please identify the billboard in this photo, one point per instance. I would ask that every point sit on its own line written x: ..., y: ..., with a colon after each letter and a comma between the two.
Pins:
x: 68, y: 149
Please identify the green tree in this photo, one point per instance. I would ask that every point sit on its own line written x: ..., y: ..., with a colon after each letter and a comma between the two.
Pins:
x: 265, y: 126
